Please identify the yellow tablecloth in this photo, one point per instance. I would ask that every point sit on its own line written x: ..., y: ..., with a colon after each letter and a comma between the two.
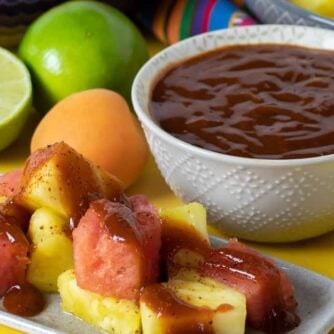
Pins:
x: 316, y: 254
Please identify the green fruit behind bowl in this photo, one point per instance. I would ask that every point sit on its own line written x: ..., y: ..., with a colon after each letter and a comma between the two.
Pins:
x: 81, y: 45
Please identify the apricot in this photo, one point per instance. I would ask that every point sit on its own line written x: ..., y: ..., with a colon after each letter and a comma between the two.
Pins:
x: 99, y: 124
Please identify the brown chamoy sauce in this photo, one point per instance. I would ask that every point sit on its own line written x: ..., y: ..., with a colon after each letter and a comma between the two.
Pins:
x: 260, y: 101
x: 254, y: 275
x: 12, y: 232
x: 80, y: 185
x: 177, y: 235
x: 24, y: 300
x: 15, y: 213
x: 119, y: 221
x: 190, y: 319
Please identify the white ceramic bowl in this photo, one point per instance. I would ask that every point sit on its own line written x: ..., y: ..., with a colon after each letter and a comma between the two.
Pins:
x: 255, y: 199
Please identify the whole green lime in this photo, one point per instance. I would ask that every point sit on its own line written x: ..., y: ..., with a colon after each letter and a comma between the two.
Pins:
x: 81, y: 45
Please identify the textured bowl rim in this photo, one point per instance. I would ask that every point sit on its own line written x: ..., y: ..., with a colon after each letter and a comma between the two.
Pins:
x: 147, y: 121
x: 314, y: 16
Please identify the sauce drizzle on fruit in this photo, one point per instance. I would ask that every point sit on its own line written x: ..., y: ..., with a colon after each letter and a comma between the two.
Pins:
x: 82, y: 182
x: 176, y: 236
x: 12, y: 232
x: 118, y: 219
x: 167, y: 305
x: 247, y: 271
x: 24, y: 300
x: 15, y: 213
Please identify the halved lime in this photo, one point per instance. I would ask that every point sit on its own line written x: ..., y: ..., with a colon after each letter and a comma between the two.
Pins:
x: 15, y: 97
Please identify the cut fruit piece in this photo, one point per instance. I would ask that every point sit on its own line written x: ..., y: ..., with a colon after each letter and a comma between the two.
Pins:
x: 14, y: 255
x: 52, y: 253
x: 116, y: 316
x: 15, y: 97
x: 286, y: 286
x: 9, y: 184
x: 228, y: 304
x: 184, y: 259
x: 184, y: 227
x: 15, y: 213
x: 45, y: 224
x: 59, y: 178
x: 148, y: 224
x: 108, y: 252
x: 181, y: 306
x: 232, y: 322
x: 192, y: 215
x: 259, y: 279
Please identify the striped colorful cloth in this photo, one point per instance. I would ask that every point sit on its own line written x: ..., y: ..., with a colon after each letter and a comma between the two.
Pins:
x: 173, y: 20
x: 169, y: 20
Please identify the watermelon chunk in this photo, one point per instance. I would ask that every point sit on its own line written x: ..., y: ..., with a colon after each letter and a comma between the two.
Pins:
x: 287, y: 290
x: 108, y: 251
x: 10, y: 183
x: 148, y: 224
x: 269, y: 293
x: 14, y: 255
x: 15, y: 213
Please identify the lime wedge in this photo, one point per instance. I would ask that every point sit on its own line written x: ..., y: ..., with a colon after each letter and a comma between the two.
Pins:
x: 15, y: 97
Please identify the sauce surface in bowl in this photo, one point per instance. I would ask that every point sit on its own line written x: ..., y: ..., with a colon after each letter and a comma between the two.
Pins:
x: 261, y: 101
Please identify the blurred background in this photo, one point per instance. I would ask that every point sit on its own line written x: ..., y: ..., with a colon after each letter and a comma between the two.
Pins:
x: 172, y: 20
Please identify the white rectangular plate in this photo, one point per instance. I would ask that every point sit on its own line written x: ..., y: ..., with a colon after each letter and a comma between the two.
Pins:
x: 315, y: 294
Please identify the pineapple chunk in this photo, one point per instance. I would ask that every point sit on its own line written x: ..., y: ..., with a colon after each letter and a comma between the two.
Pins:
x: 208, y: 293
x: 52, y: 253
x: 191, y: 216
x: 183, y: 259
x: 186, y: 258
x: 185, y: 240
x: 119, y: 316
x: 209, y: 305
x: 59, y: 178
